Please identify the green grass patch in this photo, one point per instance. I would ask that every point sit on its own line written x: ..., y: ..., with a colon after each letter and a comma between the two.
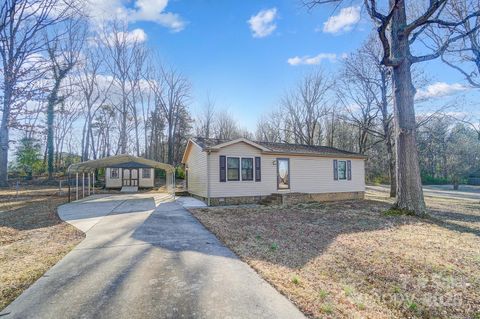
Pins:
x: 322, y: 294
x: 326, y: 308
x: 295, y: 280
x: 394, y: 211
x: 348, y: 291
x: 273, y: 247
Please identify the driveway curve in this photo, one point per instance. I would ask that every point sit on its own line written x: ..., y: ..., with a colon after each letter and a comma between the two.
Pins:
x: 147, y: 257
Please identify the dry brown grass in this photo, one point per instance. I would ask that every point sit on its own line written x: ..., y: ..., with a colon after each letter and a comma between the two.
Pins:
x: 350, y: 260
x: 32, y: 238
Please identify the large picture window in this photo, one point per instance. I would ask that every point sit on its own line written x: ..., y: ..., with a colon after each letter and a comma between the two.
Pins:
x: 247, y: 169
x: 283, y: 173
x: 342, y: 170
x: 233, y: 168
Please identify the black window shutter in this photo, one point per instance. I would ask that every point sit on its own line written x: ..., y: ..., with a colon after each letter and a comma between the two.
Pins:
x: 258, y: 169
x: 335, y: 170
x: 223, y: 170
x: 349, y: 170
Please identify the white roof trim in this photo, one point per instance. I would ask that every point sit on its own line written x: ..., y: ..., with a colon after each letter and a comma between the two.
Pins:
x: 239, y: 140
x: 184, y: 157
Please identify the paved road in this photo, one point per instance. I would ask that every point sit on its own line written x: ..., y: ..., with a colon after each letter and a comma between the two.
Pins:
x: 145, y: 257
x: 465, y: 191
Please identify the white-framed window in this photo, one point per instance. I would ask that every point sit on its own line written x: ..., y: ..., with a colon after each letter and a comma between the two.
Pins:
x: 114, y: 173
x: 247, y: 168
x: 342, y: 170
x: 146, y: 172
x: 233, y: 168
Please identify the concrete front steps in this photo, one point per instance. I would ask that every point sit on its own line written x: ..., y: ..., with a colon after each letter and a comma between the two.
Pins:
x: 272, y: 199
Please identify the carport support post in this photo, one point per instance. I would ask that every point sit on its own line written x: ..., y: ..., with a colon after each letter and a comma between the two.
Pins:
x: 76, y: 185
x: 89, y: 176
x: 83, y: 185
x: 93, y: 182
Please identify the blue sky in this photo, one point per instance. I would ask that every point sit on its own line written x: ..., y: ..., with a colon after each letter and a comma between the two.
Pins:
x: 243, y: 65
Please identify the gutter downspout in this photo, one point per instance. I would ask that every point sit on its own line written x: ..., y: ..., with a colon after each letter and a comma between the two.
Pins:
x: 208, y: 177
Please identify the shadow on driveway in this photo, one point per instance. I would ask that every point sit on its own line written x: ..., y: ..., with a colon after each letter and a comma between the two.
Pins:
x: 141, y: 261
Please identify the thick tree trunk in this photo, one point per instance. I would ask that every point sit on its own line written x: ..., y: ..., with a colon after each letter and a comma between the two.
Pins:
x: 409, y: 186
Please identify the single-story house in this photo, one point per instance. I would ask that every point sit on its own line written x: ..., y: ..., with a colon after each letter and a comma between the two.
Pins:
x: 244, y: 171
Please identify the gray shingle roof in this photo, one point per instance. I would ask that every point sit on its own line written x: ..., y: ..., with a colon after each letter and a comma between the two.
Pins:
x: 287, y: 148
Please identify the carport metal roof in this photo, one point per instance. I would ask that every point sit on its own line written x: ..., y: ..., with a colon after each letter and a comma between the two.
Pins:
x: 115, y: 161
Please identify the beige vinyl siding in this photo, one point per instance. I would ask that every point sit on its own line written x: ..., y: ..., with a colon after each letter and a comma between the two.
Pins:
x: 315, y: 175
x: 241, y: 188
x: 113, y: 182
x: 117, y: 182
x: 308, y: 174
x: 146, y: 182
x: 197, y: 171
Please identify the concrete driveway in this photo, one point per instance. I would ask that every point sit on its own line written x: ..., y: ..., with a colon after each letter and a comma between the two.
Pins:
x: 147, y: 257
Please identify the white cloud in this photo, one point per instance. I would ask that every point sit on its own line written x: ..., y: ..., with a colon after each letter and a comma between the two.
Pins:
x: 136, y: 35
x: 153, y: 11
x: 342, y: 22
x: 263, y: 23
x: 142, y: 10
x: 308, y: 60
x: 439, y: 89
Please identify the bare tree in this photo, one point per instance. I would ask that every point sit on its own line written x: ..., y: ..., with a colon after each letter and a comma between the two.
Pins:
x: 357, y: 95
x: 66, y: 114
x: 172, y: 94
x: 137, y: 85
x: 398, y: 35
x: 121, y: 47
x: 204, y: 125
x: 226, y: 127
x: 102, y: 127
x: 63, y: 50
x: 146, y: 99
x: 269, y: 127
x: 306, y: 106
x: 464, y: 55
x: 94, y: 87
x: 22, y: 23
x: 365, y: 72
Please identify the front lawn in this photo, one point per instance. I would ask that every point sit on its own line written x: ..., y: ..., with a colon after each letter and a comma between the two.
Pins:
x: 32, y: 238
x: 351, y: 260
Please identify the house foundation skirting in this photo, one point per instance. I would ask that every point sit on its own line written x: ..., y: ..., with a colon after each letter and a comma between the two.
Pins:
x: 283, y: 199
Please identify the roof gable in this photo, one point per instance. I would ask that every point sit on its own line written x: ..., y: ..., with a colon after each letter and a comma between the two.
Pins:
x: 239, y: 140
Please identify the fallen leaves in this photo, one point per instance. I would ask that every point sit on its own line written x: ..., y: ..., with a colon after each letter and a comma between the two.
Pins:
x: 350, y: 260
x: 32, y: 239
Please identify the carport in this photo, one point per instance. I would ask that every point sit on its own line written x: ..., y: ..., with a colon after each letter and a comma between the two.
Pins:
x: 87, y: 169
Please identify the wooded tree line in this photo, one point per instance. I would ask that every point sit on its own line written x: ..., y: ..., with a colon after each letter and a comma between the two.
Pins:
x: 66, y: 83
